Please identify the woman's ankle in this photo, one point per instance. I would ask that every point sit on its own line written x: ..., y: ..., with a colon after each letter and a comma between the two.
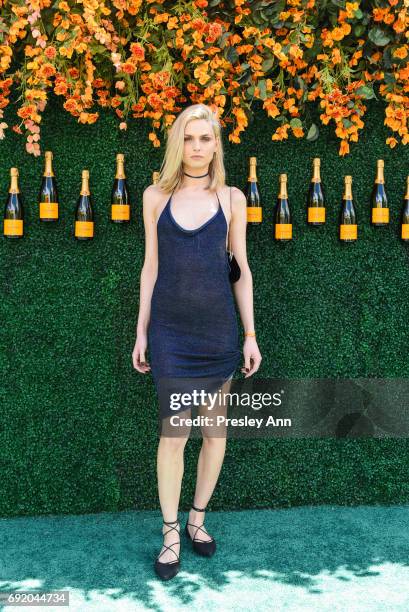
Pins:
x: 197, y: 515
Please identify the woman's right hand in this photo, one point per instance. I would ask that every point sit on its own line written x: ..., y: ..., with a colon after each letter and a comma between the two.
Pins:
x: 138, y: 355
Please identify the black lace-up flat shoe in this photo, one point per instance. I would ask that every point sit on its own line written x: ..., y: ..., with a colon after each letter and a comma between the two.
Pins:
x: 201, y: 547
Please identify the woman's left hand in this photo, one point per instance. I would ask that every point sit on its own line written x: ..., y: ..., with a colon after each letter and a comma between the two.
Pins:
x: 252, y: 356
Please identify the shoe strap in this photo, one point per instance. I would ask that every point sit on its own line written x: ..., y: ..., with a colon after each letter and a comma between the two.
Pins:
x: 169, y: 523
x: 200, y: 527
x: 169, y: 548
x: 198, y: 509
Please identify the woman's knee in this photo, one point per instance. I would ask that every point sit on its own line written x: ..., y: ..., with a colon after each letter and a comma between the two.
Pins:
x: 173, y: 443
x: 214, y: 437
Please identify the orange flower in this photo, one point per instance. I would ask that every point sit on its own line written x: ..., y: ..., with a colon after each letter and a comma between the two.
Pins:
x: 272, y: 108
x: 26, y: 111
x: 139, y: 106
x: 400, y: 52
x: 88, y: 117
x: 298, y: 132
x: 137, y: 51
x: 70, y: 105
x: 201, y: 73
x: 339, y: 33
x: 336, y: 56
x: 115, y: 101
x: 351, y: 8
x: 160, y: 79
x: 215, y: 31
x: 50, y: 52
x: 281, y: 132
x: 74, y: 72
x: 379, y: 13
x: 161, y: 18
x: 173, y: 23
x: 128, y: 67
x: 344, y: 148
x: 392, y: 142
x: 36, y: 94
x: 154, y: 100
x: 47, y: 70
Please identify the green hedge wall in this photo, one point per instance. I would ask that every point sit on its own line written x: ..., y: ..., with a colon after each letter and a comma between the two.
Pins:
x: 79, y: 424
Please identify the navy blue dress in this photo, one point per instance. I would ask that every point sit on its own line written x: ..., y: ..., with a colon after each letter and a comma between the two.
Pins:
x: 193, y: 330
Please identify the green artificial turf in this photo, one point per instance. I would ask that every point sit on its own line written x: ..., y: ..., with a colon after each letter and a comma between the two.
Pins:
x: 297, y: 559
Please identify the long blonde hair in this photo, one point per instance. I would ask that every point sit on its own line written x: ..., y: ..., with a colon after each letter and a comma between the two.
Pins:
x: 171, y: 171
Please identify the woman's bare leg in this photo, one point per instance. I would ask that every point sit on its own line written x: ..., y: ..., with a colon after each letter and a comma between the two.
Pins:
x: 170, y: 467
x: 209, y: 464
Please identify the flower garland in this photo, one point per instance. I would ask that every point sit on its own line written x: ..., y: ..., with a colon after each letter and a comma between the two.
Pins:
x: 145, y: 59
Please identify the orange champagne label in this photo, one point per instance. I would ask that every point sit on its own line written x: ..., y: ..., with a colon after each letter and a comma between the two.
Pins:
x: 316, y: 214
x: 120, y: 212
x: 283, y: 230
x: 13, y: 227
x: 348, y: 232
x: 405, y: 231
x: 380, y: 215
x: 48, y: 210
x: 84, y: 229
x: 254, y: 213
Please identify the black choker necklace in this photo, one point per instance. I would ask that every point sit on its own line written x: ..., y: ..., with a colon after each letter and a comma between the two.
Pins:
x: 196, y: 176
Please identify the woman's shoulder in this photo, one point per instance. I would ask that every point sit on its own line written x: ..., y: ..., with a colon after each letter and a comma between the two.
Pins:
x: 153, y: 200
x: 153, y: 197
x: 237, y: 196
x: 154, y: 191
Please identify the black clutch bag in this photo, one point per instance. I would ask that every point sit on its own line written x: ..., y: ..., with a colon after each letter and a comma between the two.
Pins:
x: 234, y: 268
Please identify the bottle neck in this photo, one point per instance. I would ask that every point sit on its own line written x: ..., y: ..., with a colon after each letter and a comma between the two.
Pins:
x: 379, y: 174
x: 48, y: 169
x: 120, y: 171
x: 84, y: 187
x: 283, y: 191
x: 252, y: 174
x: 316, y: 175
x: 14, y: 185
x: 348, y: 191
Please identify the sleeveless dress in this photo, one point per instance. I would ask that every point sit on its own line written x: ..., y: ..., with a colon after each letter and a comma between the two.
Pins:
x: 193, y: 330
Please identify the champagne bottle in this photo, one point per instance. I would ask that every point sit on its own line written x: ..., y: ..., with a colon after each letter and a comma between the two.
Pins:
x: 14, y: 212
x: 48, y: 197
x: 282, y: 214
x: 405, y: 214
x: 120, y: 206
x: 254, y: 209
x: 155, y: 177
x: 348, y: 221
x: 315, y: 198
x: 379, y: 201
x: 84, y: 216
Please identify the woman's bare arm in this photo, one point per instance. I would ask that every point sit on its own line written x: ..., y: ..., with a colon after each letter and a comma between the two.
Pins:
x: 148, y: 276
x: 243, y: 288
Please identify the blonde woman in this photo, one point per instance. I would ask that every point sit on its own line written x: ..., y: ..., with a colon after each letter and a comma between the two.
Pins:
x: 187, y: 316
